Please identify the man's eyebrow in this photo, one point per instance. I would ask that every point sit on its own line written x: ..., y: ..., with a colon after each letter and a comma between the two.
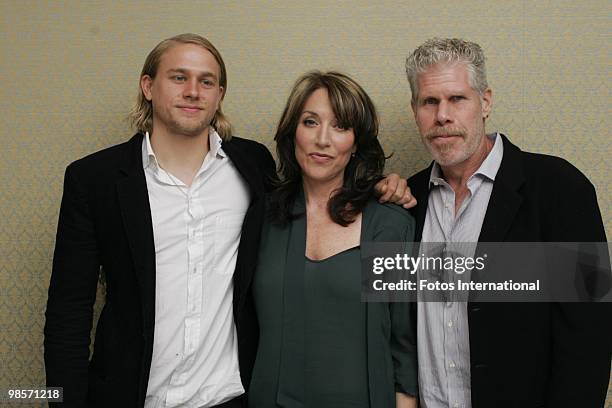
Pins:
x: 186, y: 71
x: 182, y: 71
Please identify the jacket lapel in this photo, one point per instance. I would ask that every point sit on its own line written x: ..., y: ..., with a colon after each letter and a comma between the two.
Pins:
x: 253, y: 221
x: 247, y: 169
x: 503, y: 206
x: 375, y: 314
x: 292, y: 243
x: 133, y: 201
x: 505, y: 198
x: 419, y: 185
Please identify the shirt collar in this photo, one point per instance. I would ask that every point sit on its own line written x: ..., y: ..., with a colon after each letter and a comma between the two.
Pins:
x: 215, y: 142
x: 490, y: 165
x: 149, y: 157
x: 488, y: 168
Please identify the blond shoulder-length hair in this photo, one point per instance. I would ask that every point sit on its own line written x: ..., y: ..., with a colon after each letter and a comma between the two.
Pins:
x: 141, y: 114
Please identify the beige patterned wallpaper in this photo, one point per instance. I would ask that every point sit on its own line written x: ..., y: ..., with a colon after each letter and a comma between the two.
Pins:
x: 69, y: 73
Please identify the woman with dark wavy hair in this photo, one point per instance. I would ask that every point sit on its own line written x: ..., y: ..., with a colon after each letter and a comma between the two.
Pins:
x: 320, y: 346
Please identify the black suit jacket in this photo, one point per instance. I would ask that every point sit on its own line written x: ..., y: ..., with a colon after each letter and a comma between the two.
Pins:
x: 536, y: 354
x: 105, y: 224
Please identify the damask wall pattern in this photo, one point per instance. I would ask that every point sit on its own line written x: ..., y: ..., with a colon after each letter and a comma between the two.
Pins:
x: 69, y: 74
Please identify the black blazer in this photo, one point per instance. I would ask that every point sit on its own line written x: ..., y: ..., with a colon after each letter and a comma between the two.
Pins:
x: 536, y: 354
x: 105, y: 225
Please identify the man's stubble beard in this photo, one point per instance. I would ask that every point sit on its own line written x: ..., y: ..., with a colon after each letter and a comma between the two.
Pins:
x: 193, y: 130
x: 456, y: 152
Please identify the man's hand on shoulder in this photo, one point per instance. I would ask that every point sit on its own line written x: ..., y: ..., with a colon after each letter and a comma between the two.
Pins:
x: 394, y: 189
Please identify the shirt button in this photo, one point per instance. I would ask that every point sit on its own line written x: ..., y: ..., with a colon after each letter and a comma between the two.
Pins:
x: 450, y: 323
x: 452, y: 365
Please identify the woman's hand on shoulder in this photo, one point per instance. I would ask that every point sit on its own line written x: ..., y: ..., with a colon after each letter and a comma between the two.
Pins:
x: 394, y: 189
x: 405, y: 401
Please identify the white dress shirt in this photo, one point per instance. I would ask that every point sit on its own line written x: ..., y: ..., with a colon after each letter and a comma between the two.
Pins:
x: 443, y: 344
x: 196, y: 231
